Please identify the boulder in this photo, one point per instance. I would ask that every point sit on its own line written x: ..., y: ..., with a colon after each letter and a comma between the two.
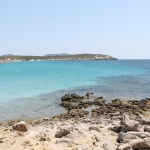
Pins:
x: 109, y: 146
x: 124, y: 147
x: 145, y: 119
x: 131, y: 125
x: 66, y: 104
x: 140, y: 143
x: 99, y: 101
x: 62, y: 132
x: 86, y: 120
x: 116, y: 128
x: 147, y: 128
x: 66, y: 97
x: 95, y: 127
x: 20, y: 126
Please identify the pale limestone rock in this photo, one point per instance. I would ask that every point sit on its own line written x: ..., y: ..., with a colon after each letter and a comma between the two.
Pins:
x: 131, y: 125
x: 140, y: 143
x: 127, y: 137
x: 124, y: 147
x: 64, y: 140
x: 97, y: 148
x: 86, y: 120
x: 147, y: 128
x: 109, y: 146
x: 145, y: 119
x: 82, y: 147
x: 95, y: 127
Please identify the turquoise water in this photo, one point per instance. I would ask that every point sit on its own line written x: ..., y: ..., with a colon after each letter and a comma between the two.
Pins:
x: 31, y: 86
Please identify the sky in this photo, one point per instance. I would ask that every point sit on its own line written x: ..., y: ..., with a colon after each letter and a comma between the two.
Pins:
x: 120, y: 28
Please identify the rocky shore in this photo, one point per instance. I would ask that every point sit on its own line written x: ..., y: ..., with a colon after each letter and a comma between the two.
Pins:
x: 90, y: 123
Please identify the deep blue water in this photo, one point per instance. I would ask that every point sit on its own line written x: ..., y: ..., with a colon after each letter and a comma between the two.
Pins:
x: 33, y: 89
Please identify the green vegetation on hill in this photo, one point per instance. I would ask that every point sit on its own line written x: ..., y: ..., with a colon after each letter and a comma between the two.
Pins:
x: 57, y: 57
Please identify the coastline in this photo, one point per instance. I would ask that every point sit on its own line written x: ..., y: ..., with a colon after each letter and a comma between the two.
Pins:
x: 5, y: 59
x: 119, y: 124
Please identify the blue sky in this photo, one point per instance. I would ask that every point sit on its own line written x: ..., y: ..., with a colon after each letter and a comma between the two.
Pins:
x: 120, y: 28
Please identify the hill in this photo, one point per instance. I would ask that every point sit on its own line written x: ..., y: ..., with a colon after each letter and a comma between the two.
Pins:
x: 12, y: 58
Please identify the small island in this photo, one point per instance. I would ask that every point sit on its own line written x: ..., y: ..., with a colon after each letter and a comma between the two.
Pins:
x: 15, y: 58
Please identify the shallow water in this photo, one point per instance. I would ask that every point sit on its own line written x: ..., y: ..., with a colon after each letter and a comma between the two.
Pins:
x: 33, y: 89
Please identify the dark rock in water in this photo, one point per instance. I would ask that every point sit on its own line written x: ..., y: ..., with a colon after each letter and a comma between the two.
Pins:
x: 112, y: 110
x: 66, y: 104
x: 66, y: 97
x: 86, y: 103
x: 71, y: 97
x: 99, y: 101
x: 88, y: 94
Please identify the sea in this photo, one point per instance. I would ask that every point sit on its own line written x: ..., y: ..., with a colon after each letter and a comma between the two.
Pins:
x: 33, y: 89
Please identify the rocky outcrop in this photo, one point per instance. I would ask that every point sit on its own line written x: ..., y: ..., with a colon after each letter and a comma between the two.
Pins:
x: 131, y: 125
x: 103, y: 108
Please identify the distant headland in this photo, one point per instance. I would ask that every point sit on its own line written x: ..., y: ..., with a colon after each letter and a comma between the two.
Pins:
x: 63, y: 56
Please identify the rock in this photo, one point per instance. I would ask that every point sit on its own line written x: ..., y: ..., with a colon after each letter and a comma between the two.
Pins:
x: 116, y: 128
x: 116, y: 117
x: 42, y: 136
x: 71, y: 97
x: 86, y: 120
x: 131, y: 125
x: 109, y: 146
x: 66, y: 97
x: 96, y: 128
x: 82, y: 147
x: 99, y: 101
x: 124, y: 147
x: 62, y: 132
x: 64, y: 140
x: 88, y: 94
x: 147, y: 128
x: 97, y: 148
x: 98, y: 138
x: 115, y: 114
x: 20, y: 126
x: 66, y: 104
x: 145, y: 120
x: 116, y: 101
x: 140, y: 143
x: 127, y: 137
x: 45, y: 119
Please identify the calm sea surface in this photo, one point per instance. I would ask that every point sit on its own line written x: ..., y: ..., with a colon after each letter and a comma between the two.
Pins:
x: 33, y: 89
